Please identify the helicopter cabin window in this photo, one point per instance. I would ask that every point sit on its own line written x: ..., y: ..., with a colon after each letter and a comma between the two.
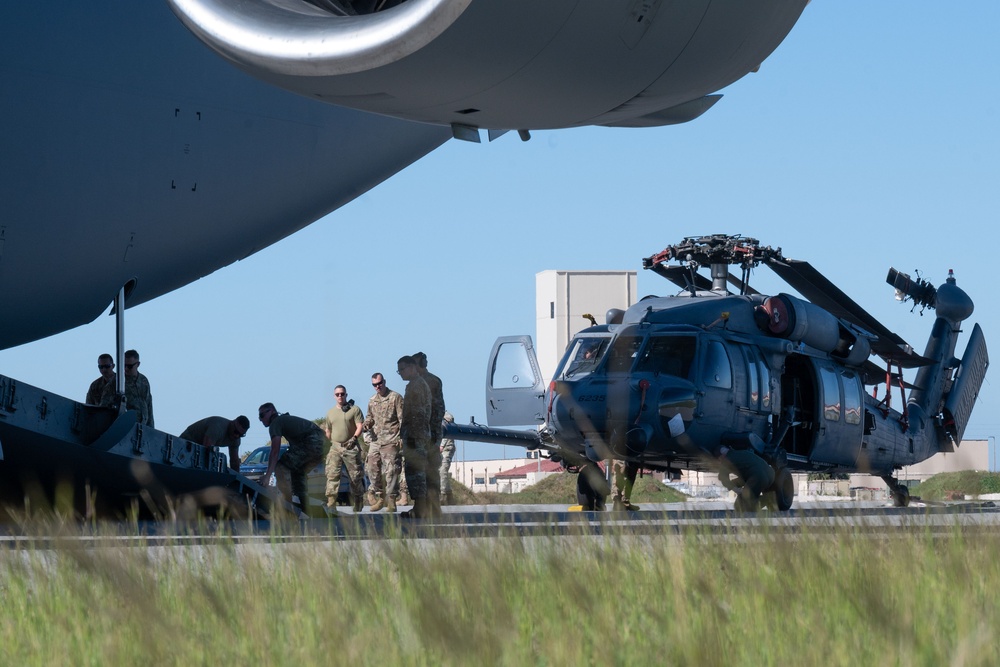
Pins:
x: 584, y: 354
x: 669, y: 355
x: 831, y: 394
x: 623, y: 352
x: 758, y: 379
x: 718, y: 370
x: 852, y: 397
x: 511, y: 367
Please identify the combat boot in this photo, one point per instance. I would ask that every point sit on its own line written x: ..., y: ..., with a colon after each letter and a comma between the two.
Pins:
x: 390, y: 504
x: 404, y: 499
x: 377, y: 505
x: 418, y: 511
x: 359, y: 504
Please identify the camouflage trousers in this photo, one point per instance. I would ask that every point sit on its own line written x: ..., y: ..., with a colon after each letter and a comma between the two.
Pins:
x: 290, y: 473
x: 415, y: 466
x: 447, y: 454
x: 384, y: 468
x: 622, y: 478
x: 404, y: 490
x: 348, y: 455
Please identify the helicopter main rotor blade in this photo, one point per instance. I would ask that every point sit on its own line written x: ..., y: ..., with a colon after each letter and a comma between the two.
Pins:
x: 813, y: 285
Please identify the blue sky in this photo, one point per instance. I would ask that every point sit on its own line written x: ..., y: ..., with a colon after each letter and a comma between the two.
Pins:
x: 869, y: 139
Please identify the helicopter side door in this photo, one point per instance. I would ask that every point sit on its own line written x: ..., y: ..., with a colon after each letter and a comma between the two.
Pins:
x: 515, y: 389
x: 717, y: 407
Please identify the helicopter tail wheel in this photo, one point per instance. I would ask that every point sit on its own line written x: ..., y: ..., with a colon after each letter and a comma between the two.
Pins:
x: 900, y: 493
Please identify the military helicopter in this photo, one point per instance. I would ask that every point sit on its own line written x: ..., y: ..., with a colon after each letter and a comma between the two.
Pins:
x: 666, y: 382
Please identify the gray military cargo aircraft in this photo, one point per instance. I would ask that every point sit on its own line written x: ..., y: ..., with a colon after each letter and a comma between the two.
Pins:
x: 135, y: 160
x: 667, y: 382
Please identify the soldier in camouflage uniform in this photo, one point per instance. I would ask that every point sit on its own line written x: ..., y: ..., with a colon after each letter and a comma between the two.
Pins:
x: 137, y: 394
x: 343, y: 425
x: 95, y: 395
x: 385, y: 458
x: 433, y: 452
x: 415, y: 431
x: 622, y: 478
x: 447, y: 454
x: 305, y: 452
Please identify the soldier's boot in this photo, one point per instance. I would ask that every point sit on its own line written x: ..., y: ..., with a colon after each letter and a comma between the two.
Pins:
x: 359, y: 504
x: 390, y: 504
x: 443, y: 500
x: 404, y: 499
x: 418, y: 511
x: 377, y: 505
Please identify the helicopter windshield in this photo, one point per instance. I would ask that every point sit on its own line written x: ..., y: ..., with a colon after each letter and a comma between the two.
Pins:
x: 584, y: 355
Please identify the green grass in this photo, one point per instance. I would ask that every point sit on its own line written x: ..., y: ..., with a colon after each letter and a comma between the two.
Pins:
x: 967, y: 482
x: 560, y: 489
x: 842, y: 599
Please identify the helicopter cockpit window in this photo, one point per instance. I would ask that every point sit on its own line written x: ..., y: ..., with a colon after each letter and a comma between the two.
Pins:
x: 718, y: 369
x: 669, y: 355
x: 585, y: 354
x: 623, y: 353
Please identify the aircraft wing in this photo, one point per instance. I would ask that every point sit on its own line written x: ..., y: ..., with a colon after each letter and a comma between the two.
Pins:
x: 513, y: 64
x: 813, y: 285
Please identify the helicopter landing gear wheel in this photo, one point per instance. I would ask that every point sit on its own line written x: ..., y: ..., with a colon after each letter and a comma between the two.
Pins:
x: 784, y: 490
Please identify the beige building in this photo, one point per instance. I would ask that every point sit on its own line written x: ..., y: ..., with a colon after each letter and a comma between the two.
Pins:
x: 561, y: 300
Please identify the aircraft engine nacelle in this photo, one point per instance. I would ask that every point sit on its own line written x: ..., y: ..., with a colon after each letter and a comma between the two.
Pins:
x: 804, y: 322
x: 501, y: 64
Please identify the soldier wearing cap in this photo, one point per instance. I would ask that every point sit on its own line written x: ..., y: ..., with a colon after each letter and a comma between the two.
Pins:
x: 220, y: 432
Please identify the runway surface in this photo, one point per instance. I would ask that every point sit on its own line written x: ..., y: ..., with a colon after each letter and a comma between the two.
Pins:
x: 711, y: 519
